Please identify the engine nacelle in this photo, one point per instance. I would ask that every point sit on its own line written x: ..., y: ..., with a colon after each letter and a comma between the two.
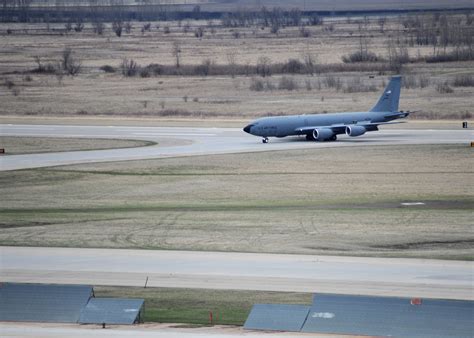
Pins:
x: 323, y: 134
x: 355, y: 130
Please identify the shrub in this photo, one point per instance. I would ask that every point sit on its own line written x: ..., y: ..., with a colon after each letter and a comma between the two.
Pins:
x: 155, y: 69
x: 204, y: 68
x: 48, y: 68
x: 287, y: 83
x: 263, y: 66
x: 360, y: 57
x: 128, y: 27
x: 356, y: 85
x: 257, y: 85
x: 444, y: 88
x: 305, y: 32
x: 315, y: 20
x: 144, y: 72
x: 294, y: 66
x: 79, y: 26
x: 129, y: 67
x: 146, y: 27
x: 199, y: 32
x: 423, y: 81
x: 108, y: 69
x: 330, y: 81
x: 98, y: 27
x: 69, y: 64
x: 409, y: 82
x: 117, y: 27
x: 9, y: 84
x: 463, y: 80
x: 456, y: 55
x: 275, y: 28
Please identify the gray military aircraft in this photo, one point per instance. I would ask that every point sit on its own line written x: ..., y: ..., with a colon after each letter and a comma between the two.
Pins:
x: 326, y: 127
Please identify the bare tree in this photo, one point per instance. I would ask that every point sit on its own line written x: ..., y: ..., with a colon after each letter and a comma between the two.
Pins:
x: 69, y: 64
x: 263, y: 66
x: 382, y: 21
x: 232, y: 61
x: 146, y: 27
x: 128, y: 27
x: 176, y: 51
x: 98, y: 27
x: 309, y: 62
x: 68, y: 26
x: 79, y: 25
x: 199, y: 32
x: 117, y: 27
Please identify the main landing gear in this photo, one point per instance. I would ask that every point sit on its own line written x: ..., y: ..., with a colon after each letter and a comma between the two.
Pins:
x: 265, y: 140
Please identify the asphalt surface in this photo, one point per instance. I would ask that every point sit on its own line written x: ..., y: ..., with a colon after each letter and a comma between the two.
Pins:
x: 204, y: 141
x: 245, y: 271
x: 40, y: 330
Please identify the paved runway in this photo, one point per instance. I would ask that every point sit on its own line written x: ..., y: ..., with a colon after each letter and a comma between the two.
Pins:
x: 204, y: 141
x: 44, y: 330
x: 247, y: 271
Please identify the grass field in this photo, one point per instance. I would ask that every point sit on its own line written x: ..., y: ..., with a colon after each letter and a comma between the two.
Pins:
x: 95, y: 92
x: 28, y: 145
x: 320, y: 201
x: 192, y: 306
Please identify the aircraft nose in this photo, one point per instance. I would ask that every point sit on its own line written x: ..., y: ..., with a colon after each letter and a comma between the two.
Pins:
x: 247, y: 128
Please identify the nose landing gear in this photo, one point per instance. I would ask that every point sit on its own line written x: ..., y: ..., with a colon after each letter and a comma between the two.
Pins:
x: 265, y: 140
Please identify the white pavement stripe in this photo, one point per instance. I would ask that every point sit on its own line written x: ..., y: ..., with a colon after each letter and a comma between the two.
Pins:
x: 172, y: 134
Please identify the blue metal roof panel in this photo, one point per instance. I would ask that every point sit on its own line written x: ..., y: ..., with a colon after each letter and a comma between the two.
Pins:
x: 111, y: 311
x: 277, y: 317
x: 42, y: 302
x: 390, y: 316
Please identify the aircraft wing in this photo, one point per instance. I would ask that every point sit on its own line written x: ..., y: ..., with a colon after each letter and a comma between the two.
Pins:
x: 341, y: 128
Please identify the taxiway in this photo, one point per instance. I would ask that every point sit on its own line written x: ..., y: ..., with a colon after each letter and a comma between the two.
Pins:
x: 200, y: 141
x: 244, y: 271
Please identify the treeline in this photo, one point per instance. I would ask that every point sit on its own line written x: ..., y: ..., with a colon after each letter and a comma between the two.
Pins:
x: 275, y: 18
x: 23, y: 11
x: 110, y: 10
x: 436, y: 30
x: 263, y: 68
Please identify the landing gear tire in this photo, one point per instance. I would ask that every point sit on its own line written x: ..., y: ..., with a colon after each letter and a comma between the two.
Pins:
x: 309, y: 137
x: 265, y: 140
x: 334, y: 138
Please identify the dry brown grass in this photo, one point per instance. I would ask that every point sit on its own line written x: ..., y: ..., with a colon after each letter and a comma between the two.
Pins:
x: 95, y: 92
x: 325, y: 201
x: 29, y: 145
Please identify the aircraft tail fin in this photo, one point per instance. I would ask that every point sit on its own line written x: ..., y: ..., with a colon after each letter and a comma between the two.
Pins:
x: 388, y: 102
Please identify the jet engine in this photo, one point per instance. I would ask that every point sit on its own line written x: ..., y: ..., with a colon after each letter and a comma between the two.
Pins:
x: 323, y: 134
x: 355, y: 130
